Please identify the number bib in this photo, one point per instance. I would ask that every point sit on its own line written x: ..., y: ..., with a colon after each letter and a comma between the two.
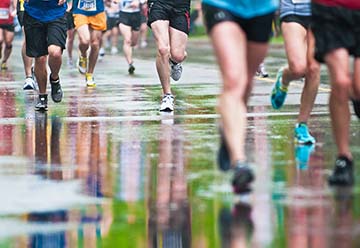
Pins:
x: 300, y: 1
x: 87, y: 5
x: 4, y: 14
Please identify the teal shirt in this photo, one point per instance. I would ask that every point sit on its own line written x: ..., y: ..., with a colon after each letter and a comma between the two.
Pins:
x: 245, y: 8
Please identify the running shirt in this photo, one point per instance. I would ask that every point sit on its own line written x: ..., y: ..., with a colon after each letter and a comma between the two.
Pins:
x: 45, y: 10
x: 125, y: 6
x: 5, y: 12
x: 295, y: 7
x: 176, y: 3
x: 113, y: 10
x: 349, y: 4
x: 88, y: 7
x: 245, y: 8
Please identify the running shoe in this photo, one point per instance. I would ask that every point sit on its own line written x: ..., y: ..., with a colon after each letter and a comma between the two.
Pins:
x: 114, y: 51
x: 176, y: 70
x: 223, y: 157
x: 167, y: 103
x: 4, y: 66
x: 29, y: 83
x: 278, y: 94
x: 131, y: 69
x: 356, y: 104
x: 261, y: 71
x: 302, y: 135
x: 82, y: 64
x: 342, y: 174
x: 101, y: 54
x: 41, y: 104
x: 89, y: 80
x: 70, y: 63
x: 143, y: 44
x: 302, y: 155
x: 242, y: 177
x: 56, y: 91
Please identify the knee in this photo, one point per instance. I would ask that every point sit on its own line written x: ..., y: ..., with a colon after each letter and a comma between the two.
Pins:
x: 55, y: 51
x: 233, y: 84
x: 84, y: 41
x: 8, y: 46
x: 298, y: 70
x: 341, y: 86
x: 127, y: 42
x: 40, y: 61
x: 178, y: 55
x: 95, y: 44
x: 164, y: 51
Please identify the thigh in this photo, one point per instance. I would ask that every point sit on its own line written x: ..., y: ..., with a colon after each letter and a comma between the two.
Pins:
x: 2, y: 34
x: 178, y: 41
x: 9, y: 36
x: 98, y: 22
x: 125, y: 31
x: 35, y: 36
x: 357, y: 78
x: 295, y: 40
x: 83, y: 33
x: 160, y: 30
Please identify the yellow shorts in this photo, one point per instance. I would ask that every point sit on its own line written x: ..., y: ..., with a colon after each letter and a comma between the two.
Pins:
x: 96, y: 22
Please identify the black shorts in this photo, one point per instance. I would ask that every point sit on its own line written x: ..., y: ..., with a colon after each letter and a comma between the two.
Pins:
x: 333, y: 28
x: 143, y: 18
x: 7, y: 27
x: 20, y: 16
x: 304, y: 21
x: 70, y: 20
x: 257, y: 29
x: 179, y: 18
x: 40, y: 35
x: 112, y: 22
x: 131, y: 19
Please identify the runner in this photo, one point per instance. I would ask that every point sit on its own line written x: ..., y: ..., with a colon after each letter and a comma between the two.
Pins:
x: 240, y: 31
x: 143, y: 26
x: 112, y: 14
x: 70, y: 34
x: 7, y: 13
x: 29, y: 83
x: 336, y: 28
x: 295, y: 17
x: 170, y: 23
x: 45, y: 33
x: 130, y: 21
x: 90, y: 21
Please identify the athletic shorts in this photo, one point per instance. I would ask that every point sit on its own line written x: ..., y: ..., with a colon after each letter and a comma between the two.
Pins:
x: 131, y: 19
x: 304, y: 21
x: 7, y: 27
x: 333, y: 28
x: 20, y: 16
x: 95, y: 22
x: 257, y: 29
x: 179, y: 18
x: 40, y: 35
x: 112, y: 22
x: 70, y: 20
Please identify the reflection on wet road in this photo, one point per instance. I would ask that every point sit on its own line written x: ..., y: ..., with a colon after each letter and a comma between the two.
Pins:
x: 105, y: 169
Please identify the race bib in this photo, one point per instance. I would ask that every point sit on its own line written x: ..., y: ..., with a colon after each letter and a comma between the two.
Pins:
x: 300, y: 1
x: 4, y: 14
x: 126, y: 4
x: 87, y: 5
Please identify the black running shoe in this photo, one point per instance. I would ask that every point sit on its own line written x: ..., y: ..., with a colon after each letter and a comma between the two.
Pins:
x: 343, y: 174
x: 356, y: 104
x: 223, y: 157
x: 41, y: 104
x: 243, y: 176
x: 131, y: 69
x: 56, y: 91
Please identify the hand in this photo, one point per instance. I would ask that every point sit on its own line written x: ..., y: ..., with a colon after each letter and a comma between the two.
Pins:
x: 13, y: 13
x: 61, y: 2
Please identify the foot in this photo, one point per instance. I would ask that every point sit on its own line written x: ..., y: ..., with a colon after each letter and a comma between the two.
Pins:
x: 243, y: 176
x: 302, y: 135
x: 356, y: 104
x: 114, y: 51
x: 4, y: 66
x: 82, y: 64
x: 131, y: 69
x: 176, y: 70
x: 279, y: 92
x: 56, y: 91
x: 29, y: 83
x: 343, y: 174
x: 90, y: 80
x: 261, y: 71
x: 41, y: 104
x: 70, y: 63
x: 167, y: 103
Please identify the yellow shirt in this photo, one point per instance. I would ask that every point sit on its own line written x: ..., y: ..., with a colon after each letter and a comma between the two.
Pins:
x: 21, y: 3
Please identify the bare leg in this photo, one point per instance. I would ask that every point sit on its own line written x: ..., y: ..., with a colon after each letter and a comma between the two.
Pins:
x: 94, y: 52
x: 338, y: 65
x: 127, y: 48
x: 178, y: 41
x: 84, y: 39
x: 55, y: 60
x: 9, y: 37
x: 70, y: 43
x: 41, y: 73
x: 26, y: 60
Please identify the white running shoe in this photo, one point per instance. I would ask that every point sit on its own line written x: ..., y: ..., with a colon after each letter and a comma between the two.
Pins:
x: 167, y: 103
x: 29, y: 84
x: 261, y: 71
x: 114, y: 51
x: 176, y: 71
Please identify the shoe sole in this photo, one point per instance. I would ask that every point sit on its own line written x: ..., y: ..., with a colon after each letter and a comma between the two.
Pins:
x: 131, y: 71
x: 242, y: 183
x: 166, y: 110
x: 42, y: 109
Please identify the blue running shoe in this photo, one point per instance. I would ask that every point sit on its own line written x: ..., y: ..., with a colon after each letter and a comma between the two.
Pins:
x: 302, y: 155
x: 302, y: 135
x: 278, y: 94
